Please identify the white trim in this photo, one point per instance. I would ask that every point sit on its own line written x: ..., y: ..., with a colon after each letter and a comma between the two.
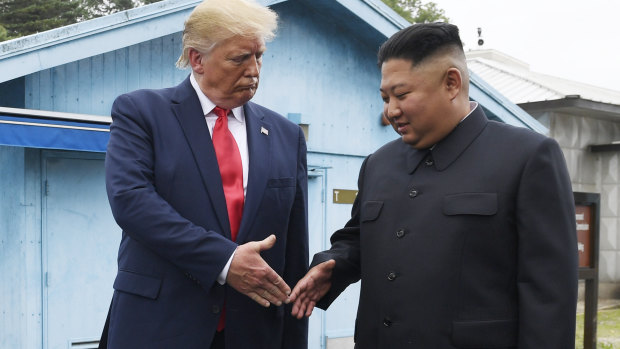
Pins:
x: 45, y: 114
x: 54, y: 126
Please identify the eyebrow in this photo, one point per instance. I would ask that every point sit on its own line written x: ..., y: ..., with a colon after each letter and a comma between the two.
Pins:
x: 393, y: 87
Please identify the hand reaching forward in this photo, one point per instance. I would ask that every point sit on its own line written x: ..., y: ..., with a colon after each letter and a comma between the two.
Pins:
x: 311, y: 288
x: 252, y: 276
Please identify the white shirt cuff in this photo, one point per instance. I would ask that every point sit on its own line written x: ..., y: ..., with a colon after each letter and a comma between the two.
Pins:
x: 221, y: 279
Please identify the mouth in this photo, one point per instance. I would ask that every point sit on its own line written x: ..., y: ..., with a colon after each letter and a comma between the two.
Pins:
x: 401, y: 127
x: 250, y: 86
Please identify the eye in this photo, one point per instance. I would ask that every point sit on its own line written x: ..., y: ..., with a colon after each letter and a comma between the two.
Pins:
x: 385, y: 99
x: 239, y: 59
x: 402, y: 95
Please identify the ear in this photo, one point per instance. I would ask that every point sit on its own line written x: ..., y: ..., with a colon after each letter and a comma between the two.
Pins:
x: 195, y: 60
x: 453, y: 82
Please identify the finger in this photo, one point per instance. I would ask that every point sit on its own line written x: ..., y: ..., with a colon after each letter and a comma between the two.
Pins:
x: 298, y: 310
x: 304, y: 308
x: 267, y: 243
x: 309, y: 308
x: 278, y: 294
x: 272, y: 298
x: 258, y: 299
x: 329, y: 265
x: 301, y: 286
x: 279, y: 283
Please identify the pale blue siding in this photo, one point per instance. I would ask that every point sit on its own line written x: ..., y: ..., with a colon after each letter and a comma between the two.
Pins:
x: 89, y: 86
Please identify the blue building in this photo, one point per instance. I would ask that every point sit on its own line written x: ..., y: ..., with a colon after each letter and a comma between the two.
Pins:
x: 58, y: 240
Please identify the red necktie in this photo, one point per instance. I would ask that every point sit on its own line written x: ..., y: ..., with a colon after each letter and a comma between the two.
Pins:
x: 231, y: 171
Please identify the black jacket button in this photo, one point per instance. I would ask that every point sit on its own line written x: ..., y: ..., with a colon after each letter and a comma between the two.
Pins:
x: 387, y: 322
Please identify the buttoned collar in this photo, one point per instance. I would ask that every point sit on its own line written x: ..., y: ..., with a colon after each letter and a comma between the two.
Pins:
x: 449, y: 148
x: 452, y: 146
x: 207, y: 105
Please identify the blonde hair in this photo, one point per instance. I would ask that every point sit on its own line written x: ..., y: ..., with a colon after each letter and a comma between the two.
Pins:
x: 213, y: 21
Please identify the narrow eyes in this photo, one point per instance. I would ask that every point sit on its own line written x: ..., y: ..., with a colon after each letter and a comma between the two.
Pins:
x: 242, y: 58
x: 400, y: 96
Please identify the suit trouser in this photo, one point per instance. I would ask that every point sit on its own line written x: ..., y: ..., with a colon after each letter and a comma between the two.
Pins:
x: 218, y: 341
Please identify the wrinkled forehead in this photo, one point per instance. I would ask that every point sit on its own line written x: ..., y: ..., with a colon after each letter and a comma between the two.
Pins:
x: 241, y: 44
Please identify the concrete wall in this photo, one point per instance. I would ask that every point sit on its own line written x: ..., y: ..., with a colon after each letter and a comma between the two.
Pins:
x: 597, y: 173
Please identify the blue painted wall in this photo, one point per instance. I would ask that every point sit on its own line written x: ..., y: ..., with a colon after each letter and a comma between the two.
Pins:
x: 20, y: 249
x: 12, y: 93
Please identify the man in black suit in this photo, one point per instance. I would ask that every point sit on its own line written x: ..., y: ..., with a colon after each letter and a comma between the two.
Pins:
x: 463, y: 230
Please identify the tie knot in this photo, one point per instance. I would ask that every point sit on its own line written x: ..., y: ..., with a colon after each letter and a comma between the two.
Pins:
x: 221, y: 112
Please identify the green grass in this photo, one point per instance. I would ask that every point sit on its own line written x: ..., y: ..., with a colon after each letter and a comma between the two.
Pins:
x: 607, y: 329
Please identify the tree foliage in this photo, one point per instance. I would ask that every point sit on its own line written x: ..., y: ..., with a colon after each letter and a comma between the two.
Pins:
x: 22, y: 17
x: 415, y: 11
x: 25, y: 17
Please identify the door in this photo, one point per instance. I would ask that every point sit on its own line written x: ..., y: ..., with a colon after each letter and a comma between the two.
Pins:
x: 80, y: 242
x: 316, y: 229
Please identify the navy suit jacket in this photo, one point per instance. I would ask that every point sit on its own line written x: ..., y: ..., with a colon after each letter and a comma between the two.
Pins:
x: 165, y: 191
x: 469, y: 245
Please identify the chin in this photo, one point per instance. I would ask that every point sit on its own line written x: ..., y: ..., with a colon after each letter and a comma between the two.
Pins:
x: 415, y: 143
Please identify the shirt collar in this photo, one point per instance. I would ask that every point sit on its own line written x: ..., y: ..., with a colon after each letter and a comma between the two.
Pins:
x: 450, y: 148
x: 207, y: 105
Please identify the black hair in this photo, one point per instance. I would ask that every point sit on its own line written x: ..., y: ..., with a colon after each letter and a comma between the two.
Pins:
x: 419, y: 41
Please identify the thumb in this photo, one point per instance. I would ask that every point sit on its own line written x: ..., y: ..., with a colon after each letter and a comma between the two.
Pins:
x: 267, y: 243
x: 330, y: 264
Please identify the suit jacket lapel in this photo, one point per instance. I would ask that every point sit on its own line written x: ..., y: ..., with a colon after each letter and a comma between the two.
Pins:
x: 187, y: 109
x: 259, y: 147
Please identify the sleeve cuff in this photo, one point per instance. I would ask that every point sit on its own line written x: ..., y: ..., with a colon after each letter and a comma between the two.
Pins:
x: 221, y: 279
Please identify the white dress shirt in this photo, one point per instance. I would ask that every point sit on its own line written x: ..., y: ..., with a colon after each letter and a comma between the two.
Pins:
x: 236, y: 125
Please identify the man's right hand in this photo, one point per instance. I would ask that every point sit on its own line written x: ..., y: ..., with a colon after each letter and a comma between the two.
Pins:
x: 311, y: 288
x: 252, y: 276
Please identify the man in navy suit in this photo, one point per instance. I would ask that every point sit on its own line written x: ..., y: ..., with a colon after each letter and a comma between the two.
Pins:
x: 463, y: 230
x: 211, y: 193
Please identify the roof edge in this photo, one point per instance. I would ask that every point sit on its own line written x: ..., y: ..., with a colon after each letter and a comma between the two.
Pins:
x: 59, y: 35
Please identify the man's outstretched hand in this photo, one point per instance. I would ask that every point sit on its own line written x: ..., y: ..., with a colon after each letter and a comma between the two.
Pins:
x: 252, y: 276
x: 311, y: 288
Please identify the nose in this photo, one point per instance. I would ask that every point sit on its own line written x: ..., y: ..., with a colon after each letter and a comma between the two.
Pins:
x: 392, y: 110
x: 253, y: 68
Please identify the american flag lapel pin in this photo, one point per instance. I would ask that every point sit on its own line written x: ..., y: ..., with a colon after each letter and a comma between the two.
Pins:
x: 264, y: 131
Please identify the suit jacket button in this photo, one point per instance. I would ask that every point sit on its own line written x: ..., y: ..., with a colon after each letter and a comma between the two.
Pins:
x: 400, y: 233
x: 215, y: 309
x: 387, y: 322
x: 413, y: 193
x: 391, y: 276
x: 429, y: 162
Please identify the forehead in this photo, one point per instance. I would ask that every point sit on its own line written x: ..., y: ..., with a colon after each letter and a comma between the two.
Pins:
x: 398, y: 71
x: 240, y: 44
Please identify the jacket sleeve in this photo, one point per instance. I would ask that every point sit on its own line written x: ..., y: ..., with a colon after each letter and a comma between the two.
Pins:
x: 345, y: 250
x: 296, y: 331
x: 547, y: 252
x: 138, y: 208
